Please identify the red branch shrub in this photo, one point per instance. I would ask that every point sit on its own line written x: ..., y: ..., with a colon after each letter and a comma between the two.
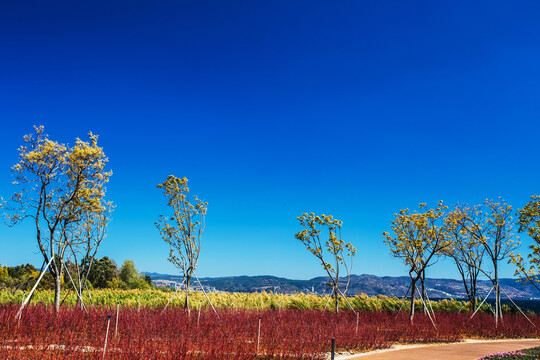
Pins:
x: 290, y: 334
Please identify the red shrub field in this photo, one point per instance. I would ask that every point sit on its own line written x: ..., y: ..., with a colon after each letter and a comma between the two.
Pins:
x: 289, y: 334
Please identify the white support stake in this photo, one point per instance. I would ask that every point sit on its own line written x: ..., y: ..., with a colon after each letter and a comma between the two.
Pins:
x: 205, y: 294
x: 117, y: 311
x: 509, y: 298
x: 479, y: 306
x: 429, y: 315
x: 33, y: 289
x: 168, y: 302
x: 403, y: 299
x: 429, y: 303
x: 347, y: 301
x: 79, y: 296
x: 106, y: 336
x: 327, y: 301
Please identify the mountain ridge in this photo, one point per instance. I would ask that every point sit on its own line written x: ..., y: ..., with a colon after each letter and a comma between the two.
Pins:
x: 368, y: 284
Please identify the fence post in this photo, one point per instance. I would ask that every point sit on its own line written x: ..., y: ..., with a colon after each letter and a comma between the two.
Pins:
x: 333, y: 348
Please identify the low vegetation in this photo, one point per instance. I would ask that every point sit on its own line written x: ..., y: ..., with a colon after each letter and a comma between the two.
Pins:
x: 526, y: 354
x: 151, y: 333
x: 158, y: 298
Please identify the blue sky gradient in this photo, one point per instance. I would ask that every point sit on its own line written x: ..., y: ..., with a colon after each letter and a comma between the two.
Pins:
x: 274, y: 108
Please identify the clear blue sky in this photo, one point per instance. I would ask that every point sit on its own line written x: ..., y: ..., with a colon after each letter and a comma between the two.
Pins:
x: 272, y: 108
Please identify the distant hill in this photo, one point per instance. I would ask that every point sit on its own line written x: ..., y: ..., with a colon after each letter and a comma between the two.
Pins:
x: 367, y: 284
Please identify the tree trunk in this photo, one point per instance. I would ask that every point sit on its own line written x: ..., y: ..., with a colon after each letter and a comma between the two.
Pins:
x: 473, y: 291
x: 424, y: 297
x: 498, y: 311
x: 464, y: 280
x: 336, y: 296
x: 413, y: 290
x: 186, y: 303
x: 57, y: 290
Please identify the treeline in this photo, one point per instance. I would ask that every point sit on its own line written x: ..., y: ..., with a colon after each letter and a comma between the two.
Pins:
x: 105, y: 274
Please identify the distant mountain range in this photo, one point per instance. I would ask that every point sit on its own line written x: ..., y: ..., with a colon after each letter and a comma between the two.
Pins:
x: 367, y: 284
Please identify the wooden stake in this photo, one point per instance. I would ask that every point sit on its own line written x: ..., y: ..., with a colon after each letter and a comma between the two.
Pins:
x: 117, y: 311
x: 258, y: 335
x: 199, y: 314
x: 356, y: 331
x: 332, y: 354
x: 106, y: 336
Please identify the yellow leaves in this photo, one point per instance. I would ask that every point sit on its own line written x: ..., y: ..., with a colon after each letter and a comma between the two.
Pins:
x: 334, y: 245
x: 529, y: 222
x: 71, y: 175
x: 184, y: 234
x: 417, y: 236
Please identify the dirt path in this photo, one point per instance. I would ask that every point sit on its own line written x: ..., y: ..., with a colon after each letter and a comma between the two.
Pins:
x: 467, y: 350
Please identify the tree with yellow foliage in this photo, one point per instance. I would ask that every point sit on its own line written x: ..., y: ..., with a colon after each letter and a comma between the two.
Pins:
x: 183, y: 230
x: 490, y: 224
x: 418, y: 238
x: 332, y: 253
x: 529, y: 223
x: 58, y: 184
x: 465, y: 250
x: 84, y: 239
x: 3, y: 272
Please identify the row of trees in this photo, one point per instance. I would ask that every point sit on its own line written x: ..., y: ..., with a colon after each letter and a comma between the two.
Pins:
x: 62, y: 190
x: 63, y: 193
x: 105, y: 274
x: 470, y: 236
